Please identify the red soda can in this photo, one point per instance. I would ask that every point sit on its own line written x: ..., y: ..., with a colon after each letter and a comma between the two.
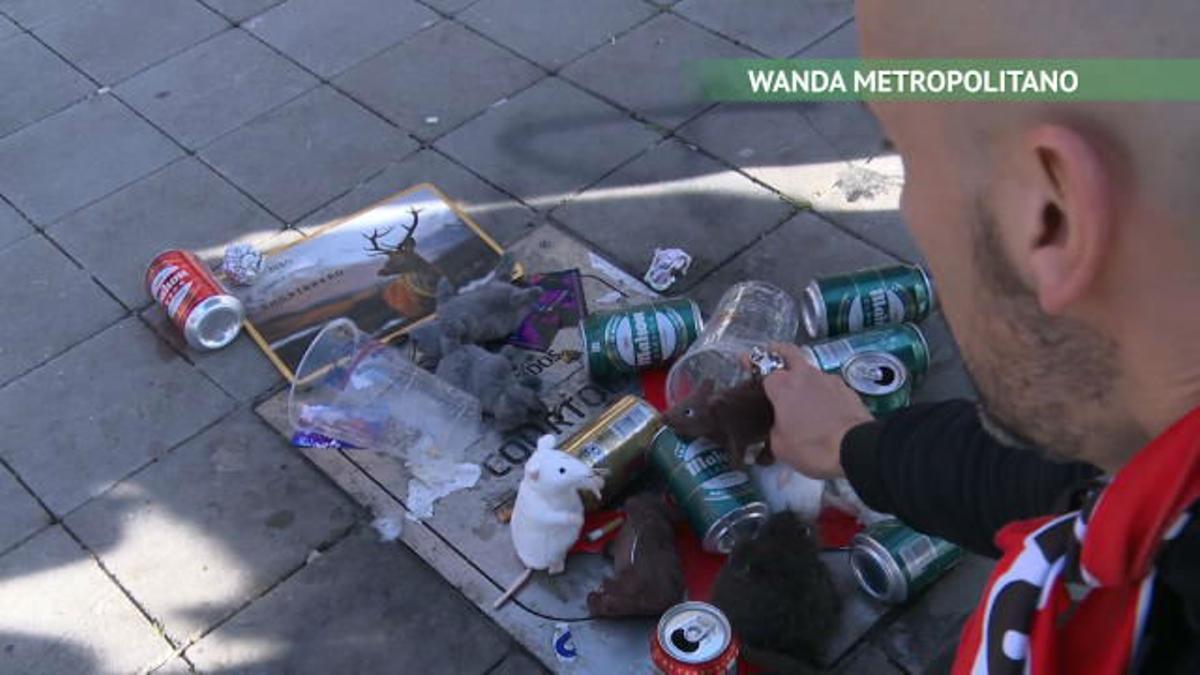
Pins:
x: 204, y: 311
x: 694, y: 638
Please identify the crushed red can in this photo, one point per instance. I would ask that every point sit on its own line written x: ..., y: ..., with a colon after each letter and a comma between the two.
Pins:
x: 194, y: 299
x: 694, y: 638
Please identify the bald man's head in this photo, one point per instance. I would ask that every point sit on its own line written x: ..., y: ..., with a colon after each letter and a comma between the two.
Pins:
x: 1061, y: 234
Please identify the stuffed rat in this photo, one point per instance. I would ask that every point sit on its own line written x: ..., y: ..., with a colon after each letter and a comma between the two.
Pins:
x: 484, y: 310
x: 510, y: 398
x: 785, y: 489
x: 779, y: 596
x: 735, y: 418
x: 648, y: 575
x: 548, y: 515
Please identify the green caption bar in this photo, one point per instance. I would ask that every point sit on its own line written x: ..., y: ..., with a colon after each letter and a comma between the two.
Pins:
x: 951, y: 80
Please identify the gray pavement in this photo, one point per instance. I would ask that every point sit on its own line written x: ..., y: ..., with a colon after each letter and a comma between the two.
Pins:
x: 150, y: 519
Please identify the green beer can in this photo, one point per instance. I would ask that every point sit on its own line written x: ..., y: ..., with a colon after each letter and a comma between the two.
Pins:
x: 880, y: 380
x: 904, y: 341
x: 721, y: 502
x: 894, y: 562
x: 866, y: 299
x: 635, y: 338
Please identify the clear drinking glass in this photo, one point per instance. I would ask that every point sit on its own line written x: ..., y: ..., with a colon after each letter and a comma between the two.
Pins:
x: 750, y: 314
x: 356, y: 389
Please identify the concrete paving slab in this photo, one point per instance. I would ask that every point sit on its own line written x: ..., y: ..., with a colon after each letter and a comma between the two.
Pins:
x: 934, y: 622
x: 241, y: 509
x: 57, y: 305
x: 842, y: 43
x: 547, y: 142
x: 867, y: 660
x: 947, y: 377
x: 185, y: 205
x: 438, y: 79
x: 789, y: 257
x: 114, y: 39
x: 774, y: 28
x: 47, y: 173
x: 329, y: 37
x: 30, y: 13
x: 7, y: 27
x: 13, y: 226
x: 651, y: 70
x: 240, y: 10
x: 59, y: 613
x: 239, y: 369
x: 449, y: 6
x: 22, y: 514
x: 501, y: 216
x: 518, y: 662
x: 88, y: 418
x: 36, y: 82
x: 578, y: 26
x: 297, y: 157
x: 361, y: 607
x: 214, y: 87
x: 675, y: 197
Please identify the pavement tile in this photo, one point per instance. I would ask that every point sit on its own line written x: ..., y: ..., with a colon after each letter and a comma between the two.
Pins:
x: 651, y: 70
x: 185, y: 205
x: 307, y: 152
x: 30, y: 13
x: 36, y: 277
x: 502, y: 217
x: 547, y: 142
x: 776, y: 28
x: 240, y: 10
x: 240, y: 368
x: 518, y: 662
x: 934, y: 621
x: 22, y: 514
x: 86, y: 419
x: 7, y: 27
x: 12, y: 225
x: 450, y: 6
x: 867, y: 660
x: 114, y: 39
x: 578, y: 25
x: 361, y: 607
x: 438, y: 79
x: 840, y: 44
x: 59, y: 613
x: 241, y: 508
x: 47, y: 172
x: 947, y: 377
x: 36, y: 82
x: 214, y: 87
x: 676, y: 197
x: 329, y: 37
x: 802, y: 248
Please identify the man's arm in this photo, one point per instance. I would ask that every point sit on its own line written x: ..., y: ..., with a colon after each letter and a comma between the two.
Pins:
x: 936, y: 468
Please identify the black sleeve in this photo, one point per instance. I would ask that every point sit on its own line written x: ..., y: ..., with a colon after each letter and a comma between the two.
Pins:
x: 936, y: 468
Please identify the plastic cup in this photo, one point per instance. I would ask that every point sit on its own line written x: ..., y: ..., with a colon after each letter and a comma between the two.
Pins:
x: 358, y: 390
x: 750, y: 314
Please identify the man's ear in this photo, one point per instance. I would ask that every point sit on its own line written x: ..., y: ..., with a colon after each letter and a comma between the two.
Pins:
x: 1072, y: 230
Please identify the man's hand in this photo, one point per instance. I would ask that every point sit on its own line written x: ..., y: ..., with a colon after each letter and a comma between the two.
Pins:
x: 813, y: 411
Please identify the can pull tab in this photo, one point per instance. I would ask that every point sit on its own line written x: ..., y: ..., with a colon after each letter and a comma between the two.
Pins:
x: 688, y: 636
x: 881, y: 375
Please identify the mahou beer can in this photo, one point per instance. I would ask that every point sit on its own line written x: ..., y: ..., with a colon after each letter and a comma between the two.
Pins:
x: 617, y: 442
x: 209, y: 317
x: 894, y: 562
x: 904, y: 341
x: 721, y: 502
x: 694, y: 638
x: 639, y: 337
x: 866, y: 299
x: 880, y: 379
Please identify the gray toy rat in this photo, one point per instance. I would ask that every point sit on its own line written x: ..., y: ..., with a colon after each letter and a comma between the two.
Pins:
x: 484, y: 310
x: 510, y: 398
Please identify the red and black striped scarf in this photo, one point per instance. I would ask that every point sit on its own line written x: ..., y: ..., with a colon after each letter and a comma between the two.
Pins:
x: 1071, y: 592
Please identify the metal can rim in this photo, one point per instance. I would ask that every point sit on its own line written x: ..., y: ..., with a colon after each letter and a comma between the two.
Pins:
x: 812, y: 311
x: 757, y: 511
x: 901, y: 381
x: 897, y: 590
x: 675, y: 610
x: 192, y: 328
x: 928, y: 285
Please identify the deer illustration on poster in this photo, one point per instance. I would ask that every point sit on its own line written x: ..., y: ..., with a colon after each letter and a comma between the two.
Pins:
x: 414, y: 288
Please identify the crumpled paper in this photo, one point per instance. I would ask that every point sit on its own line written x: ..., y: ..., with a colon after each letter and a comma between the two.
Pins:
x: 667, y: 267
x: 434, y: 478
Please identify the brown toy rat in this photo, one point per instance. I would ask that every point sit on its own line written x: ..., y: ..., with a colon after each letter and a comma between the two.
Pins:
x: 648, y: 576
x: 735, y: 418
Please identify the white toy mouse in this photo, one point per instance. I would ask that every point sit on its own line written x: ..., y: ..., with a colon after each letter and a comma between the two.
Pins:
x: 785, y: 489
x: 548, y: 515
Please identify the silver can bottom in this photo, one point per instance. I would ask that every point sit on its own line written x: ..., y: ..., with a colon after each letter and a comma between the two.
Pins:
x: 214, y: 323
x: 741, y: 524
x: 876, y: 572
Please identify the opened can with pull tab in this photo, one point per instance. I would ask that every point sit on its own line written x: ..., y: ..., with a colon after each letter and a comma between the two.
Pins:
x: 694, y: 638
x: 880, y: 380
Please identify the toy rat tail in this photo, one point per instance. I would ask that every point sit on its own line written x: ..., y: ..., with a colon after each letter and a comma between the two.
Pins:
x: 513, y: 588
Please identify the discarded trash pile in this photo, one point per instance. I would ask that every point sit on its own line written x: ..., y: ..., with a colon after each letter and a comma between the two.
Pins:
x: 421, y: 355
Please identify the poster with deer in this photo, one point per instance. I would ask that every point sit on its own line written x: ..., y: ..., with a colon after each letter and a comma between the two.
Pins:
x: 379, y: 267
